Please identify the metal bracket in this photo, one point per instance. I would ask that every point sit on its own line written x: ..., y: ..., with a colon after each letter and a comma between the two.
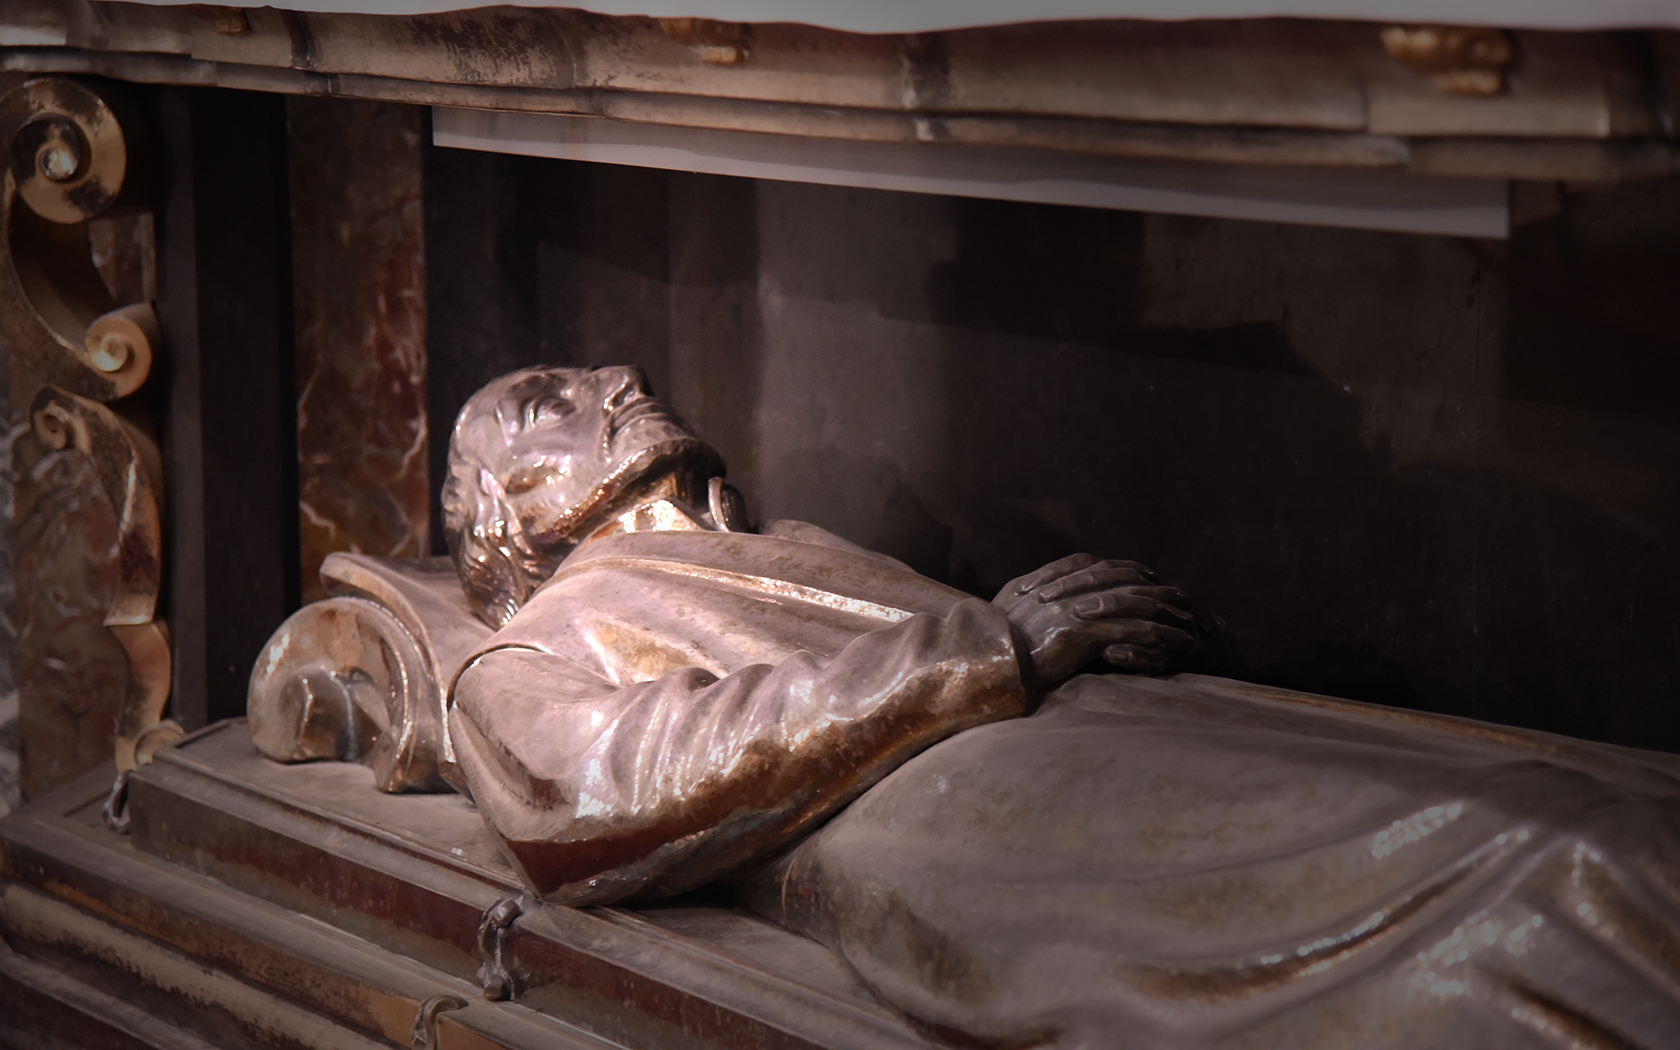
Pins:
x: 115, y: 811
x: 493, y: 975
x: 424, y: 1035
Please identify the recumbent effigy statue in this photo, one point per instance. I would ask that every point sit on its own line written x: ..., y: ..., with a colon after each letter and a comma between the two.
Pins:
x: 642, y: 694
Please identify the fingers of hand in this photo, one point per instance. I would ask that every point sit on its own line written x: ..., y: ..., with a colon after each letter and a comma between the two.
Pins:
x: 1145, y: 646
x: 1054, y: 571
x: 1130, y: 657
x: 1141, y: 633
x: 1163, y: 604
x: 1102, y: 574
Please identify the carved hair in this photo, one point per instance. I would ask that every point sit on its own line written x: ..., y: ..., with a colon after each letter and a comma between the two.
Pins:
x: 497, y: 566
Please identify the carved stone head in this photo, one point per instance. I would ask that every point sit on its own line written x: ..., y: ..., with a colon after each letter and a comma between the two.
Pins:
x: 541, y: 458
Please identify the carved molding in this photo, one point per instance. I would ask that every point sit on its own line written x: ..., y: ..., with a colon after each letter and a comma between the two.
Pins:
x: 1586, y: 106
x: 128, y: 467
x: 141, y: 725
x: 72, y: 154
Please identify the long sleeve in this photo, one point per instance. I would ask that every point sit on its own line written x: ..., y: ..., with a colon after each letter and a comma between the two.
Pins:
x: 602, y: 791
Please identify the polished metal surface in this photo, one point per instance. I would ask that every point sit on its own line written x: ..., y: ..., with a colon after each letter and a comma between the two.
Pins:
x: 667, y: 698
x: 541, y: 458
x: 409, y: 877
x: 425, y: 1035
x: 117, y: 948
x: 1198, y: 862
x: 493, y: 975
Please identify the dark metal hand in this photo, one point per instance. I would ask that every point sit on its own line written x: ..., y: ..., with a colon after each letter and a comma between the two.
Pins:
x: 1081, y: 607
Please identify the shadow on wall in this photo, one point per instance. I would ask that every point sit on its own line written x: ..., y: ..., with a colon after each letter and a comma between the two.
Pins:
x: 1411, y: 470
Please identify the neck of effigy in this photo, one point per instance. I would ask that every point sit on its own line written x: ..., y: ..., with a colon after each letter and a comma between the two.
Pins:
x: 661, y: 514
x: 660, y: 507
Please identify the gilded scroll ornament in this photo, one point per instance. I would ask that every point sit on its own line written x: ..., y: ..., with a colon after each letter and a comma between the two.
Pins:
x: 714, y: 43
x: 70, y: 159
x: 230, y: 21
x: 72, y: 154
x: 1464, y: 60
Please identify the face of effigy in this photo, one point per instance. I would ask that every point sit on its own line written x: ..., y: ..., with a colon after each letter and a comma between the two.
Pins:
x: 555, y: 437
x: 540, y: 458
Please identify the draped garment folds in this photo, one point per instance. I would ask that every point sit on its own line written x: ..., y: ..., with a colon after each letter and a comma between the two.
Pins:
x: 1196, y: 862
x: 1183, y: 862
x: 671, y: 704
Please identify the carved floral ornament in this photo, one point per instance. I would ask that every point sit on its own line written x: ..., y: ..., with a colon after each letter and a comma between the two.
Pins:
x: 74, y: 153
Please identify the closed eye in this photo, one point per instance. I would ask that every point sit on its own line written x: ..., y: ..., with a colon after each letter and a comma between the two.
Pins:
x: 546, y: 409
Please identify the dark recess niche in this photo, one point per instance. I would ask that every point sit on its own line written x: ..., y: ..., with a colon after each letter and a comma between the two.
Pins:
x: 1421, y: 471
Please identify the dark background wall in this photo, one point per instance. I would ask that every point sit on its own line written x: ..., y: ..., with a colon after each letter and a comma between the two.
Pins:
x: 1414, y: 470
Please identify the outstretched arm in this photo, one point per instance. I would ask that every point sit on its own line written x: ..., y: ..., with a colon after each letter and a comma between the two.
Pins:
x: 601, y: 792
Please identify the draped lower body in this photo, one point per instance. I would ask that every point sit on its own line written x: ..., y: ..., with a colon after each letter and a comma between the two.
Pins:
x: 1197, y: 862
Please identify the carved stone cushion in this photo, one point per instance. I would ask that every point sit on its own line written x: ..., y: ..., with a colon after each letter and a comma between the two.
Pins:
x: 364, y: 675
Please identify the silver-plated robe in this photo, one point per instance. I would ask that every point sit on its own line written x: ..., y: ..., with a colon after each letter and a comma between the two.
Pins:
x: 1201, y: 863
x: 672, y: 704
x: 1186, y: 862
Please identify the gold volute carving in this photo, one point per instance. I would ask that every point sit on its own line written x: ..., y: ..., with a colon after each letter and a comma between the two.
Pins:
x: 70, y: 158
x: 230, y: 21
x: 72, y: 152
x: 1465, y: 60
x: 714, y: 43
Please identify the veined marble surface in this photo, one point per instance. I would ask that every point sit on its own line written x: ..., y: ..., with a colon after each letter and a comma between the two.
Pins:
x: 358, y: 267
x: 9, y: 740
